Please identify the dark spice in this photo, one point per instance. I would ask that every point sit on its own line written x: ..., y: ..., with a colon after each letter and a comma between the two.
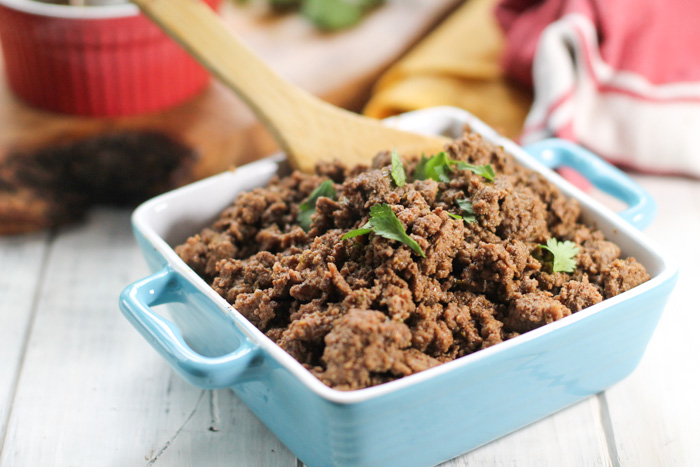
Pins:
x: 56, y: 185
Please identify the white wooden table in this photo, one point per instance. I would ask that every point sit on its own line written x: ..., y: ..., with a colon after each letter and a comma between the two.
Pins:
x: 80, y: 387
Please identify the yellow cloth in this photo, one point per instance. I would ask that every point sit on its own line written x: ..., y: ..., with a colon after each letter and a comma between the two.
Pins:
x: 458, y: 65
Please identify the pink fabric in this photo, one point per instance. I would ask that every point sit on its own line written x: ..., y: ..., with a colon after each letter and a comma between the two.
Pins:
x: 658, y: 39
x: 610, y: 73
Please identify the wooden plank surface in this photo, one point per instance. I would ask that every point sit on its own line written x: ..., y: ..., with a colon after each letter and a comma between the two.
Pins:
x: 655, y: 413
x: 92, y: 391
x: 572, y: 437
x: 21, y: 264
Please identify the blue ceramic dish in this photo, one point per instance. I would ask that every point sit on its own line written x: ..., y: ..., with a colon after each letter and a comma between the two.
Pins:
x: 428, y: 417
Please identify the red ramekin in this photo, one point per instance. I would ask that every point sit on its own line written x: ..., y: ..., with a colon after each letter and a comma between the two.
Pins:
x: 96, y: 61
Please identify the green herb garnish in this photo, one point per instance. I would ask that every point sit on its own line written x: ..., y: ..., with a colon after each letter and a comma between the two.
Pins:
x: 308, y: 207
x: 563, y: 253
x: 419, y: 173
x: 437, y: 167
x: 383, y: 222
x: 455, y: 216
x: 485, y: 171
x: 440, y: 165
x: 466, y: 206
x: 397, y: 171
x: 365, y: 229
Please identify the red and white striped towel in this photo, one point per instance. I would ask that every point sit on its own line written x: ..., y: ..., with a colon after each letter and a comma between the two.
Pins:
x: 621, y: 77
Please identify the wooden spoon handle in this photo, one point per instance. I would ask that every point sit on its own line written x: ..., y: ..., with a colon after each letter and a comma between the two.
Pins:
x: 198, y: 29
x: 305, y: 127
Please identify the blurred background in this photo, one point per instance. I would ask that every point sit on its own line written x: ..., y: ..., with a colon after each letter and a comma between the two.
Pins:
x: 72, y: 74
x: 96, y: 76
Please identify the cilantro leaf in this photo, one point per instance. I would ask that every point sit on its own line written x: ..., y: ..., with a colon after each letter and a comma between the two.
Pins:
x: 419, y: 173
x: 383, y: 222
x: 485, y: 171
x: 440, y: 165
x: 365, y: 229
x: 455, y: 216
x: 466, y: 206
x: 564, y: 254
x: 356, y: 233
x: 437, y: 167
x: 442, y: 173
x: 397, y: 171
x: 308, y: 207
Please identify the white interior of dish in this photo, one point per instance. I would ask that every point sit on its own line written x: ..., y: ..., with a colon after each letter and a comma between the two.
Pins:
x: 73, y: 12
x: 169, y: 219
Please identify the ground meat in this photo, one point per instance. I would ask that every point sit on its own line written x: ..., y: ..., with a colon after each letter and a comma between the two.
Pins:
x: 530, y: 311
x: 579, y: 295
x: 369, y: 310
x: 595, y: 252
x: 364, y: 347
x: 622, y: 275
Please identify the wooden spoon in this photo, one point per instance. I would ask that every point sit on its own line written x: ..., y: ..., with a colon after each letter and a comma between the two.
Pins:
x: 305, y: 127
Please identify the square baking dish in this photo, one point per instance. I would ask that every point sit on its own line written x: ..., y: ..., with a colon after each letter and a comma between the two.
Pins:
x: 421, y: 419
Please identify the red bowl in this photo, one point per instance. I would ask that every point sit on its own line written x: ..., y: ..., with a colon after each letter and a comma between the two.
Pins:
x: 97, y: 61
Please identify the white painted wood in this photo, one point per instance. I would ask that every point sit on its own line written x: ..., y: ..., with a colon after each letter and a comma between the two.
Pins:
x: 572, y: 437
x: 655, y: 413
x: 21, y: 261
x: 92, y: 392
x: 223, y: 432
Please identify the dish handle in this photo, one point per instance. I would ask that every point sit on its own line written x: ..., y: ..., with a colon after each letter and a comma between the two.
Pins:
x: 165, y: 286
x: 555, y: 152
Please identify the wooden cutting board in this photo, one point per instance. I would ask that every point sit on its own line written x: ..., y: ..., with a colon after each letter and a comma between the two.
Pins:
x: 339, y: 67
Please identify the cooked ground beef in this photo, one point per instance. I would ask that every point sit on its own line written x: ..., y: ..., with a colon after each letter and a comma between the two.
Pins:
x: 368, y: 310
